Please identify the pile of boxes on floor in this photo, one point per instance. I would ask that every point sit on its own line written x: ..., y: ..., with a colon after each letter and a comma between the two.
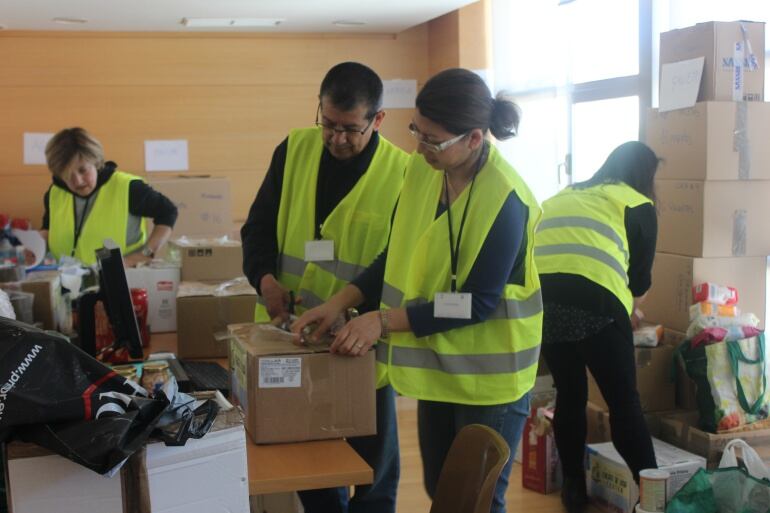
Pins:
x: 712, y: 189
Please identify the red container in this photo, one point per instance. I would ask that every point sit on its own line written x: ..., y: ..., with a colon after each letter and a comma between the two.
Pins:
x: 104, y: 337
x: 141, y: 309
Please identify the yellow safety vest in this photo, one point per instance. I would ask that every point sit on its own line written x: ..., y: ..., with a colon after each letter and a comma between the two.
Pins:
x: 491, y: 362
x: 359, y: 225
x: 584, y: 232
x: 107, y: 219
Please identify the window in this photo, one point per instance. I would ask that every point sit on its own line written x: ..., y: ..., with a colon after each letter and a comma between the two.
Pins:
x: 576, y: 68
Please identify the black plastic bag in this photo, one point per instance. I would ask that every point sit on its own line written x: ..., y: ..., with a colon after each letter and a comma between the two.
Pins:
x: 57, y: 396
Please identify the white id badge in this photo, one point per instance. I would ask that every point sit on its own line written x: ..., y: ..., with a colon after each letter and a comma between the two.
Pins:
x: 452, y: 305
x: 319, y: 250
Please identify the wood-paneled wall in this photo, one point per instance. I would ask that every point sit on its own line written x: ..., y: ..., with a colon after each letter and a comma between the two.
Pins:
x: 234, y: 97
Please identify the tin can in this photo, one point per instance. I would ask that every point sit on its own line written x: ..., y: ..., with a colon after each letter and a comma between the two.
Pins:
x: 126, y: 371
x: 652, y: 489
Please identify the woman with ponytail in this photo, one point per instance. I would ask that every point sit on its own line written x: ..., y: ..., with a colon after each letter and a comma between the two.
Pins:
x: 461, y: 315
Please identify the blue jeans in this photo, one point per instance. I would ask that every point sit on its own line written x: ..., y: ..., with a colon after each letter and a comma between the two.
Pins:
x: 438, y: 424
x: 381, y: 452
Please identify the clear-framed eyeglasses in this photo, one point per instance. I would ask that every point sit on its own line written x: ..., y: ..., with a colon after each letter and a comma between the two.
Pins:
x: 348, y: 131
x: 433, y: 147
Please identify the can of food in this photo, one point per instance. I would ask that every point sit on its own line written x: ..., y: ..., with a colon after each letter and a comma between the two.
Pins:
x: 155, y: 374
x: 652, y: 490
x: 127, y: 371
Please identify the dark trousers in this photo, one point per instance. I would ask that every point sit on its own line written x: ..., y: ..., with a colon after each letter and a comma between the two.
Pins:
x: 438, y: 424
x: 381, y: 452
x: 609, y: 354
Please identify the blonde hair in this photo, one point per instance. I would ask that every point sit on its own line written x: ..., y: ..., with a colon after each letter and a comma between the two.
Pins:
x: 68, y: 144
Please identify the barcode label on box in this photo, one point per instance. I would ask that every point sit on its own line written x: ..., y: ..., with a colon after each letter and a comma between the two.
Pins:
x: 280, y: 372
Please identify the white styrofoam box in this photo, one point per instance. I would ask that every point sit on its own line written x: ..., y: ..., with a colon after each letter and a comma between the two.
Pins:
x: 161, y: 282
x: 53, y: 483
x: 208, y: 475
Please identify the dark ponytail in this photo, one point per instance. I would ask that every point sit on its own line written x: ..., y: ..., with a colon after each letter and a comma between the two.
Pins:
x: 460, y: 101
x: 504, y: 122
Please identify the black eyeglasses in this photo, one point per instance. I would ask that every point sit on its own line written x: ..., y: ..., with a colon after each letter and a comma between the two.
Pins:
x: 346, y: 130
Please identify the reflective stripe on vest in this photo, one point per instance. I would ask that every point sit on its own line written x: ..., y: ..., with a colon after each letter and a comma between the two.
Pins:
x: 341, y: 270
x: 586, y: 251
x: 107, y: 219
x: 583, y: 233
x: 474, y: 364
x: 585, y: 222
x: 489, y: 362
x: 359, y: 224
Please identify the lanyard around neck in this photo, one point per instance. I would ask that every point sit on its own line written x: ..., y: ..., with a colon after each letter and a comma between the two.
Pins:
x: 454, y: 250
x: 79, y: 225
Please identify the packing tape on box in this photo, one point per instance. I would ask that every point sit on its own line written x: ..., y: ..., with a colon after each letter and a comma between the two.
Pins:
x: 739, y: 232
x: 741, y: 140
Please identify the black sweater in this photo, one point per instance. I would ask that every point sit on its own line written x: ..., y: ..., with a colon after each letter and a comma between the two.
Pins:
x: 143, y: 200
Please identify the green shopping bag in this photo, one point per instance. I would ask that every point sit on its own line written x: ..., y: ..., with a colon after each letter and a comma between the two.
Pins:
x: 731, y: 379
x: 728, y: 489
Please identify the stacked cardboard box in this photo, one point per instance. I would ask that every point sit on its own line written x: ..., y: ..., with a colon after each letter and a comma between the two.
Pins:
x: 203, y: 202
x: 653, y: 380
x: 208, y: 259
x: 713, y: 181
x: 712, y: 188
x: 204, y: 310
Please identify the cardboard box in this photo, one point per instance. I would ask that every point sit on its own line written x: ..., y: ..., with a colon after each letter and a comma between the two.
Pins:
x: 653, y: 380
x: 46, y: 287
x: 204, y: 475
x: 609, y: 481
x: 713, y: 219
x: 681, y: 429
x: 716, y: 42
x: 161, y: 282
x: 668, y: 301
x: 286, y: 502
x: 203, y: 311
x: 204, y: 204
x: 541, y: 470
x: 700, y: 143
x: 292, y: 394
x: 208, y: 260
x: 598, y: 424
x: 542, y: 394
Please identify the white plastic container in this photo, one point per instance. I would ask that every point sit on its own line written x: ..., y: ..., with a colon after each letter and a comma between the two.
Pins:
x: 653, y: 484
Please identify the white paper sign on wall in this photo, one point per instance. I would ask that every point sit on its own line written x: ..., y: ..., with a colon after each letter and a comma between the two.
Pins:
x: 399, y: 94
x: 168, y: 155
x: 34, y: 148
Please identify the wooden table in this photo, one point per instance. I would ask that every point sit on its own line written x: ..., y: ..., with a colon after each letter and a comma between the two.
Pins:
x: 294, y: 466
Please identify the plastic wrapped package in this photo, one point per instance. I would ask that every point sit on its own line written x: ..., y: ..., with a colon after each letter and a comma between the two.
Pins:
x: 6, y: 308
x: 701, y: 322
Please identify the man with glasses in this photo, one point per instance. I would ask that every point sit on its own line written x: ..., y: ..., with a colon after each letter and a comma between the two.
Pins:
x: 321, y: 216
